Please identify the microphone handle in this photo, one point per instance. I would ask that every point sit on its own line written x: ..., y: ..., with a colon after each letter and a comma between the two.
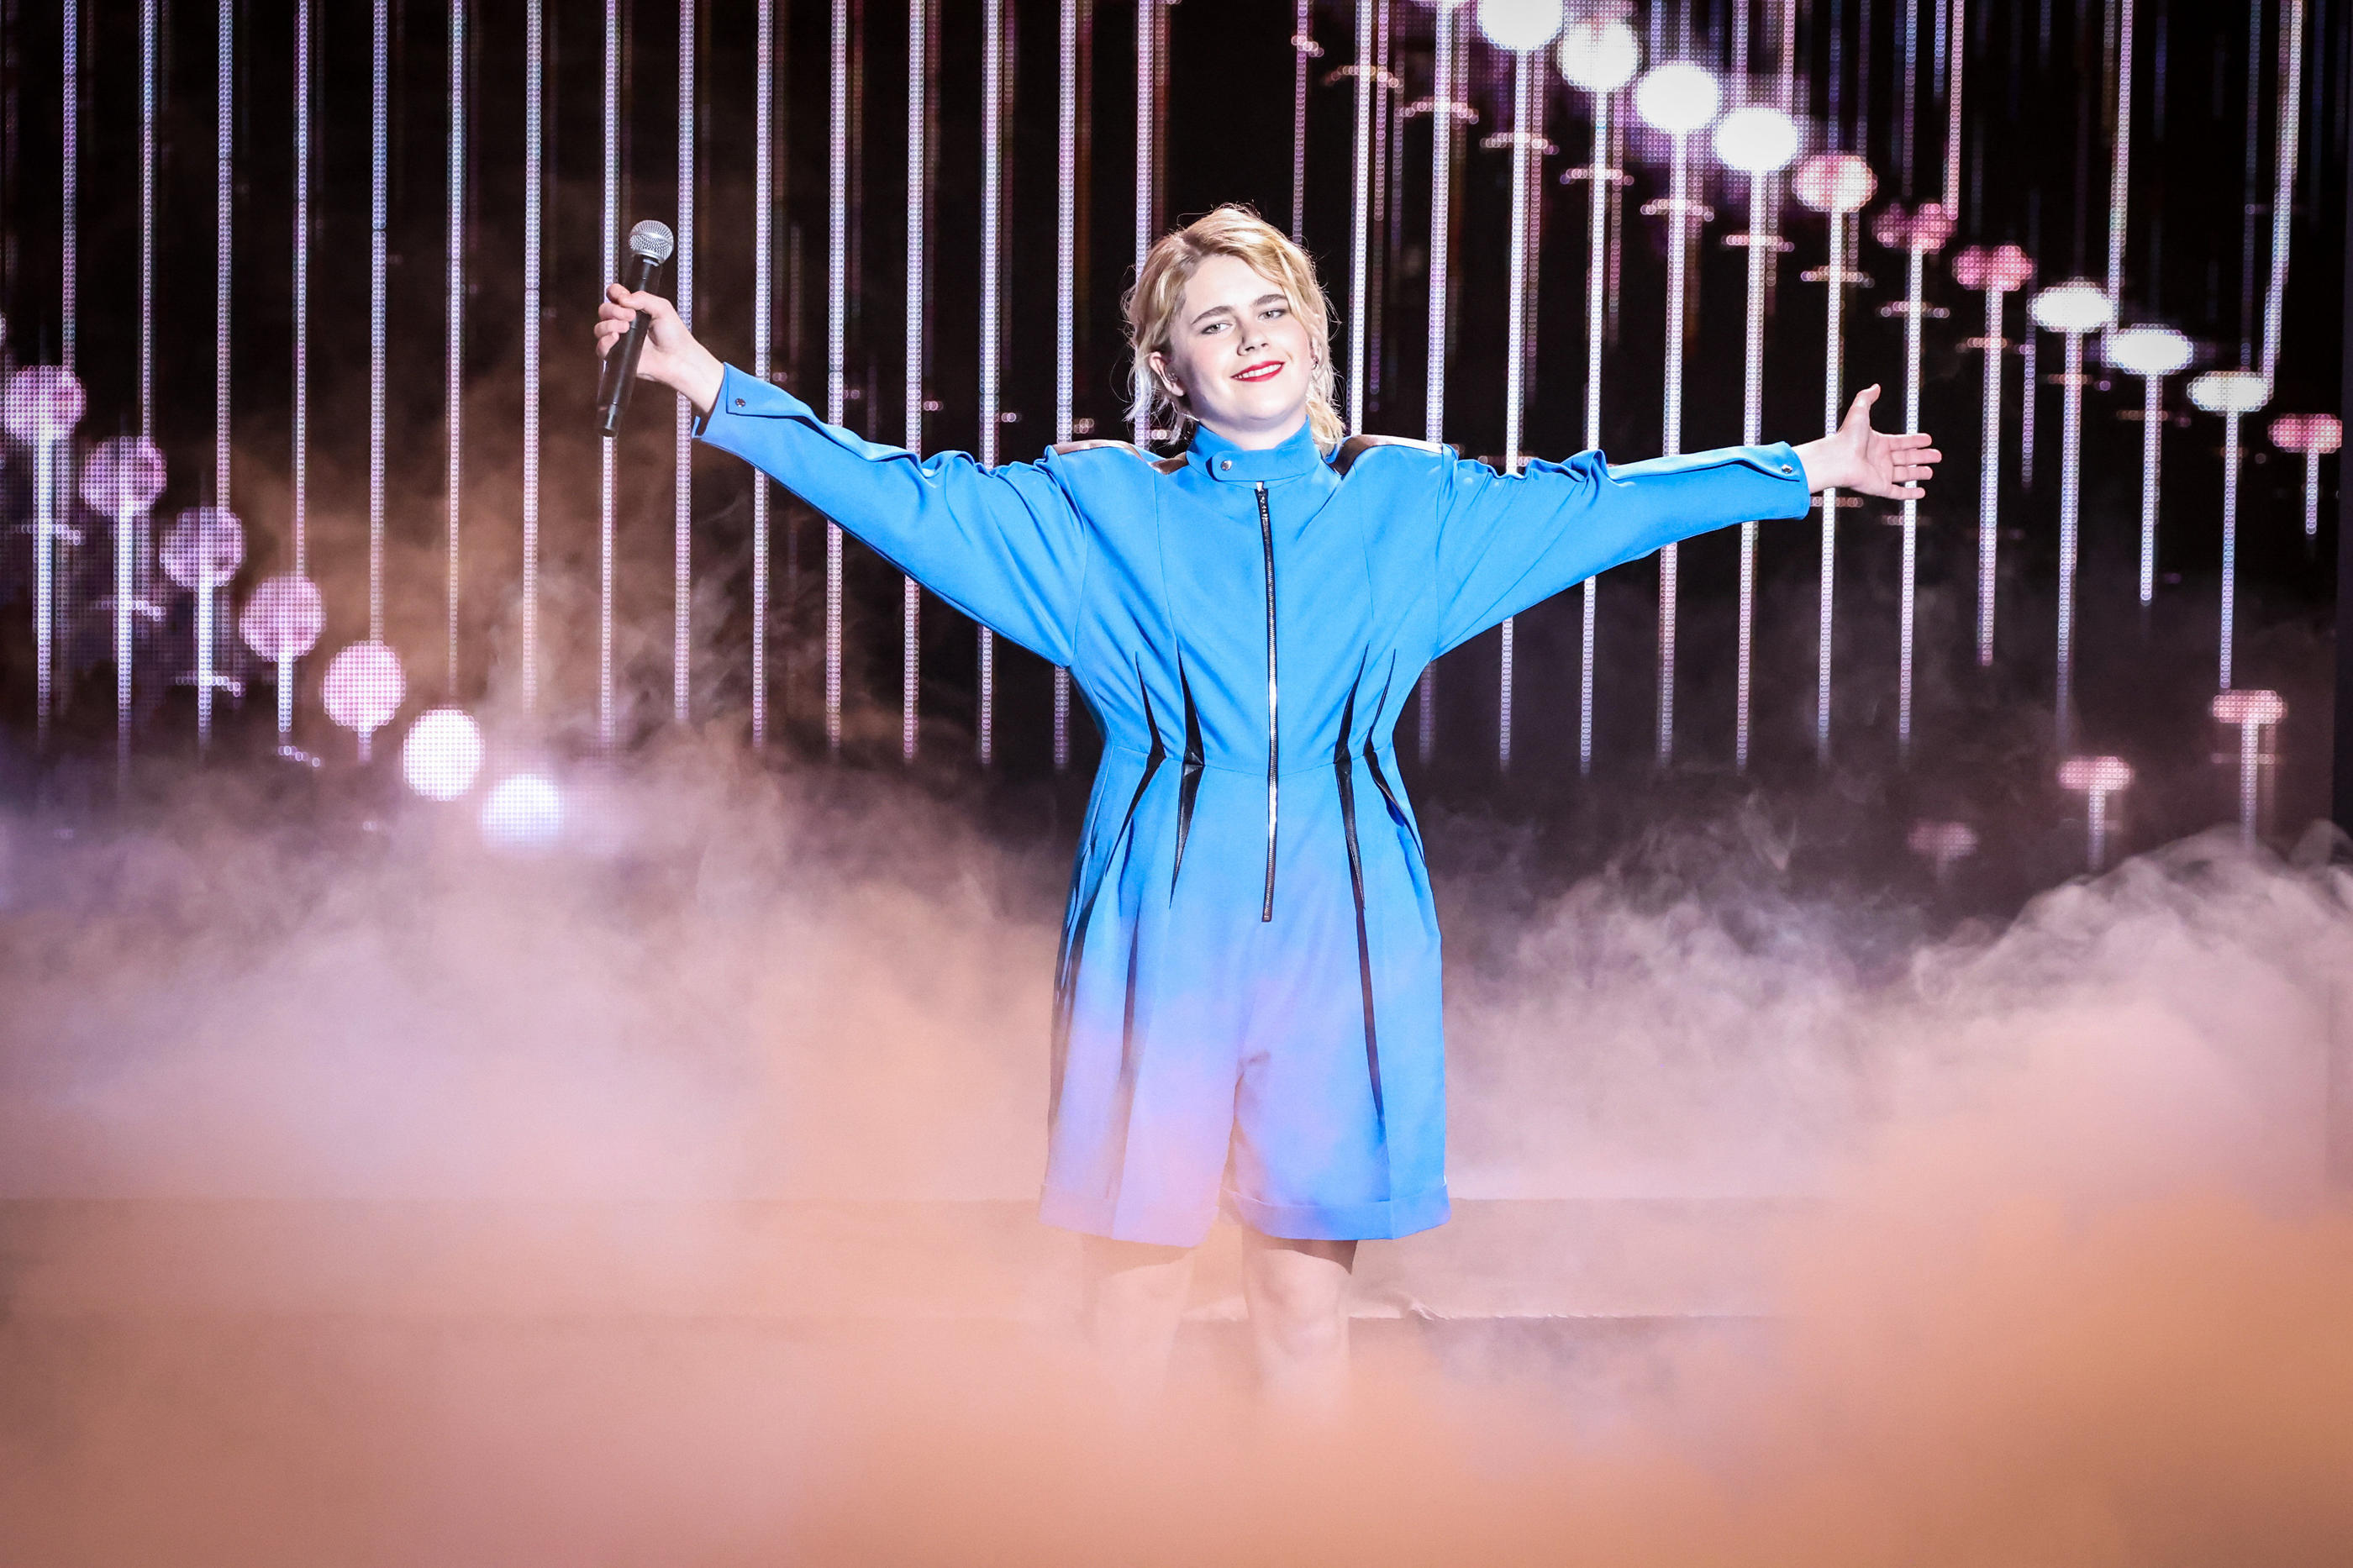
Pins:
x: 621, y: 371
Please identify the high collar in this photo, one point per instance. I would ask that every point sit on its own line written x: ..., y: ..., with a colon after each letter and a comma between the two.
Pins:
x: 1219, y: 458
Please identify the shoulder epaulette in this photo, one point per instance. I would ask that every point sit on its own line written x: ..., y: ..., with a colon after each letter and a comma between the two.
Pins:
x: 1165, y: 465
x: 1355, y: 446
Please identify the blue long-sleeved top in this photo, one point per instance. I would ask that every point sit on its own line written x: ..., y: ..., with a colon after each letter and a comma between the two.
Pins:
x: 1246, y: 626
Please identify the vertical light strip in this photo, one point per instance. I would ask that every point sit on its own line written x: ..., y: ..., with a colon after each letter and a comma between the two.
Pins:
x: 302, y: 412
x: 1598, y: 179
x: 1360, y: 216
x: 1752, y: 416
x: 764, y: 97
x: 1515, y: 354
x: 836, y: 321
x: 1989, y: 481
x: 2152, y: 422
x: 379, y: 285
x: 533, y: 174
x: 1907, y: 599
x: 454, y: 349
x: 607, y: 489
x: 129, y: 545
x: 2120, y: 170
x: 46, y: 453
x: 1066, y: 272
x: 2229, y: 542
x: 1834, y: 370
x: 224, y: 189
x: 1303, y: 49
x: 1958, y: 52
x: 911, y: 597
x: 1441, y: 249
x: 69, y: 174
x: 992, y: 196
x: 1679, y: 235
x: 682, y: 665
x: 149, y: 41
x: 2071, y: 453
x: 1148, y: 72
x: 2291, y: 82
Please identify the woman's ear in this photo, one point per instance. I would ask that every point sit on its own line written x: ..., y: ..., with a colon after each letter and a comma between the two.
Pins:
x: 1160, y: 373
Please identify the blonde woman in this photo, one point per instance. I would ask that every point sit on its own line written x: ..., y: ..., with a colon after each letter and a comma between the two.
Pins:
x: 1247, y: 1009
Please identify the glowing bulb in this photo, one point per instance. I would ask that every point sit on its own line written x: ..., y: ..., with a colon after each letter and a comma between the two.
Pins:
x: 2003, y: 269
x: 2231, y: 391
x: 363, y: 686
x: 1835, y: 182
x: 1943, y: 842
x: 41, y: 403
x: 2095, y: 775
x: 2307, y: 433
x: 1599, y: 56
x: 204, y: 547
x: 283, y: 618
x: 1923, y: 228
x: 2250, y: 708
x: 123, y: 475
x: 1758, y: 140
x: 1677, y: 98
x: 442, y: 755
x: 522, y: 810
x: 2147, y: 351
x: 2072, y: 308
x: 1520, y: 25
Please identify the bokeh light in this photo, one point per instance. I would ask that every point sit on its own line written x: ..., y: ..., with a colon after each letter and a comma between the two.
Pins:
x: 283, y: 618
x: 2148, y: 350
x: 522, y: 810
x: 41, y: 402
x: 2074, y: 307
x: 1758, y: 140
x: 1520, y: 25
x: 1599, y: 56
x: 1924, y: 228
x: 442, y: 755
x: 364, y: 686
x: 2231, y: 391
x: 1678, y: 98
x: 204, y: 547
x: 1835, y: 182
x: 2095, y: 775
x: 2004, y: 267
x: 123, y: 474
x: 2307, y: 433
x: 2245, y: 707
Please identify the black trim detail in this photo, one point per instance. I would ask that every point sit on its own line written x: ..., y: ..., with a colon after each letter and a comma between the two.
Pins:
x: 1344, y: 771
x: 1066, y: 972
x: 1273, y: 749
x: 1190, y: 785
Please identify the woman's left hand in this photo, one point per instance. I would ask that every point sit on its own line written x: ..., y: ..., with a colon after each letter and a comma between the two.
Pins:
x: 1867, y: 461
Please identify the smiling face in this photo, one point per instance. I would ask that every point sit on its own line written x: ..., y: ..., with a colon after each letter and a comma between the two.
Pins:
x: 1239, y: 358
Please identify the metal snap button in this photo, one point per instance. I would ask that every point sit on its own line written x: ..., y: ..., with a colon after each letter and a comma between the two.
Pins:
x: 1225, y: 462
x: 1785, y: 468
x: 739, y: 402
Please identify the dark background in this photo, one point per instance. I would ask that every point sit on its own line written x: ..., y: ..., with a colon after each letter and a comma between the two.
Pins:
x: 2036, y: 152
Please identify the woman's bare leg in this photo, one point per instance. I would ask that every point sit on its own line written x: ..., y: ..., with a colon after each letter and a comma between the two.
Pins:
x: 1298, y: 1295
x: 1135, y: 1295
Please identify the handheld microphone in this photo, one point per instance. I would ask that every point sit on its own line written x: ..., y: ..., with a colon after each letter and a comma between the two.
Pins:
x: 650, y: 244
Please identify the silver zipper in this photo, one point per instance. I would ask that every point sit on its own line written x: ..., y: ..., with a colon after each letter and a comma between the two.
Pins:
x: 1274, y: 753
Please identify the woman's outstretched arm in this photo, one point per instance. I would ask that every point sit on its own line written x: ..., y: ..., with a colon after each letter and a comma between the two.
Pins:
x: 1507, y: 542
x: 1004, y: 545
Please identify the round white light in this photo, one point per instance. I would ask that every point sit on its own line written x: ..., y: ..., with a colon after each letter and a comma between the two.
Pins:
x: 1758, y: 140
x: 123, y: 474
x: 522, y: 810
x: 204, y: 547
x: 283, y: 618
x: 363, y: 688
x: 2075, y: 307
x: 2147, y: 351
x: 1599, y: 56
x: 442, y: 755
x: 1834, y: 181
x: 1520, y: 25
x: 2231, y: 391
x: 1677, y: 98
x: 41, y: 402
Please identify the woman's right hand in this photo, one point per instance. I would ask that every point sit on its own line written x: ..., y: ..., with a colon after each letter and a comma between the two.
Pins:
x: 671, y: 356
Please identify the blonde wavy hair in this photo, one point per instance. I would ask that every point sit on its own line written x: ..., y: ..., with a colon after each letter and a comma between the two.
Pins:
x: 1150, y: 306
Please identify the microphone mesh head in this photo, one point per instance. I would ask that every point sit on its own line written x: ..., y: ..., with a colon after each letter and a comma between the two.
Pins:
x: 652, y: 240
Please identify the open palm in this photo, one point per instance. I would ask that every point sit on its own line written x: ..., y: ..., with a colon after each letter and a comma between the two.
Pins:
x: 1871, y: 462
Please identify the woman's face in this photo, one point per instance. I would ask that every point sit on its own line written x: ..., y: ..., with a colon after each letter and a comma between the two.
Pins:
x: 1238, y: 356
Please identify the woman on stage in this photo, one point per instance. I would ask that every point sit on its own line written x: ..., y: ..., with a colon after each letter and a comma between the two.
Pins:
x: 1247, y: 1007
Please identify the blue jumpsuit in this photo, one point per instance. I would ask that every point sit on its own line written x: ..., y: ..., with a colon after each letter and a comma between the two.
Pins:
x: 1247, y: 1001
